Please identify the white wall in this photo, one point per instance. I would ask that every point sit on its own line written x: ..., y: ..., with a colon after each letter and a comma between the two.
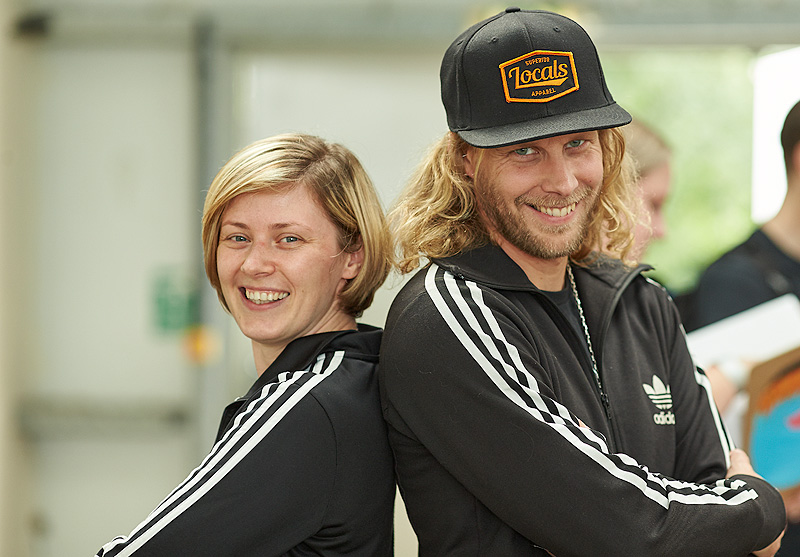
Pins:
x: 112, y: 213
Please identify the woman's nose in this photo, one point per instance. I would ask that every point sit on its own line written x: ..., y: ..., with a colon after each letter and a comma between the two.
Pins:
x: 260, y: 259
x: 659, y: 225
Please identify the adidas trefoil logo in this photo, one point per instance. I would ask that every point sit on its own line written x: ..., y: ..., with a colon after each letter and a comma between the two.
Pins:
x: 659, y: 393
x: 661, y: 396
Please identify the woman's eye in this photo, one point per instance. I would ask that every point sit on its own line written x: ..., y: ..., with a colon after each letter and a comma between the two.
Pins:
x: 289, y: 239
x: 234, y: 238
x: 524, y: 151
x: 576, y: 143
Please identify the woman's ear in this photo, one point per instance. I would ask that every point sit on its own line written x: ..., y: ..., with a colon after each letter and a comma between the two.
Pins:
x: 354, y: 259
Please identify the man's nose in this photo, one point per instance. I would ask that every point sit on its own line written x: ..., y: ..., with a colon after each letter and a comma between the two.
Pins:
x: 558, y: 176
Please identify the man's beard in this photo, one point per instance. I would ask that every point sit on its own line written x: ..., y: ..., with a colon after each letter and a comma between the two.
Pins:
x: 510, y: 224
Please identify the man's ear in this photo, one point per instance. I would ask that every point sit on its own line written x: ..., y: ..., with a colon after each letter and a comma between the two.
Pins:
x: 470, y: 162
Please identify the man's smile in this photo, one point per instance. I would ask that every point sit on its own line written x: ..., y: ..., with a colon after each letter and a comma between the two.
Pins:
x: 556, y: 211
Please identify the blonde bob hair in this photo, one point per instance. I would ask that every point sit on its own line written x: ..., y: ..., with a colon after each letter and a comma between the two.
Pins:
x: 647, y: 149
x: 437, y: 217
x: 337, y: 180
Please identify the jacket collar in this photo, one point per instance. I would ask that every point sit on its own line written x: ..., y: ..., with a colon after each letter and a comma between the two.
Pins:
x: 600, y: 283
x: 491, y: 266
x: 301, y: 352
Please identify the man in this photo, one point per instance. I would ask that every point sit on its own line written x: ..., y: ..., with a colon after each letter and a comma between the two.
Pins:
x: 767, y: 264
x: 763, y: 267
x: 540, y: 397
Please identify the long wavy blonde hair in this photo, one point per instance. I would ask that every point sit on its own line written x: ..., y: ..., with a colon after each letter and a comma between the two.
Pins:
x: 436, y: 216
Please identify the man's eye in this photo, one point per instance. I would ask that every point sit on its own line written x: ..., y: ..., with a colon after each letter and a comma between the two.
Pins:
x: 576, y: 143
x: 524, y: 151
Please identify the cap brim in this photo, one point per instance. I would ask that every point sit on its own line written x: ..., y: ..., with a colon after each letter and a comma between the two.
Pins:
x: 610, y: 116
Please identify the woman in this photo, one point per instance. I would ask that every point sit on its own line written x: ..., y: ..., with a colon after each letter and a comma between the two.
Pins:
x: 652, y: 159
x: 295, y: 244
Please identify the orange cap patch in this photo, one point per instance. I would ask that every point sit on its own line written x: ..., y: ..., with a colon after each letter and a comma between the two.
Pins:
x: 539, y: 76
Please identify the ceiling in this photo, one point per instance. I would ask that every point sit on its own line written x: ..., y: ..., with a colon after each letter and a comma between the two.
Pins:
x: 409, y: 23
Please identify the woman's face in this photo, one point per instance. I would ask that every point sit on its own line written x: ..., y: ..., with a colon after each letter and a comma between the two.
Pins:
x: 653, y: 190
x: 281, y: 268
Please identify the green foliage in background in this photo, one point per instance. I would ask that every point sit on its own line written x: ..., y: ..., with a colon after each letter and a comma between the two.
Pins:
x: 701, y: 101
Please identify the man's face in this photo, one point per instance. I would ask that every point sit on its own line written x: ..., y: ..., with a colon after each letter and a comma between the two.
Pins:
x: 538, y: 197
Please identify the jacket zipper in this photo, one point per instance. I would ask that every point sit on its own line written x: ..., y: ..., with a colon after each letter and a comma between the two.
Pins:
x: 599, y: 355
x: 586, y: 361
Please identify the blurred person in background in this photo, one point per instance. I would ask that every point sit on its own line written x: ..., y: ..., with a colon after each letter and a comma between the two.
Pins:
x: 761, y: 268
x: 652, y: 162
x: 540, y: 396
x: 767, y: 264
x: 295, y: 244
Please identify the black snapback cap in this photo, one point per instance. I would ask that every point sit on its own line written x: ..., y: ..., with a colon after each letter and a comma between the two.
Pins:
x: 523, y: 75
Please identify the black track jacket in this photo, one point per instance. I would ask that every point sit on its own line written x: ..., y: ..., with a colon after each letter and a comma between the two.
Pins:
x: 483, y: 384
x: 301, y: 466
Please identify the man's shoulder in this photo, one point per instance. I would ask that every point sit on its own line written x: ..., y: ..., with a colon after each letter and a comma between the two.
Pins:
x: 438, y: 296
x: 422, y: 289
x: 485, y: 265
x: 742, y: 262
